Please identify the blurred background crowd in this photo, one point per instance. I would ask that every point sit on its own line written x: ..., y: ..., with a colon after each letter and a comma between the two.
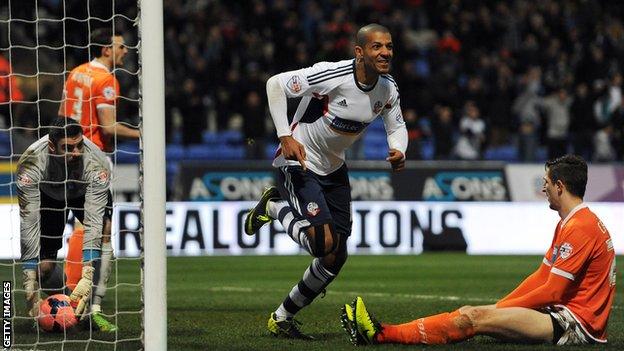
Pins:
x: 506, y: 80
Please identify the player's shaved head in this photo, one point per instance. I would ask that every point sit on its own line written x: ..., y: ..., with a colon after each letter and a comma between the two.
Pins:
x: 363, y: 34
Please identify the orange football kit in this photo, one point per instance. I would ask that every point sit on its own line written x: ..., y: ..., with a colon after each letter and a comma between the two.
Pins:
x: 89, y: 87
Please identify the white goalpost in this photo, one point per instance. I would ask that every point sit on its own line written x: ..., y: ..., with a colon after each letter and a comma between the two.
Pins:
x: 152, y: 108
x: 36, y: 41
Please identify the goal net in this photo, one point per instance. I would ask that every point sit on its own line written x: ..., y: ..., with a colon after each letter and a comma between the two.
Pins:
x: 41, y: 41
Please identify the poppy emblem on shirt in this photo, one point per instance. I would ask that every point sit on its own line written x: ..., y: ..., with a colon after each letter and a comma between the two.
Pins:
x: 313, y: 209
x: 377, y: 107
x: 109, y: 93
x: 294, y: 84
x: 565, y: 250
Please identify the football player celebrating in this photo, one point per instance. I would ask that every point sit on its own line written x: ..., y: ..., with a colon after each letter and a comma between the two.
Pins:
x: 313, y: 197
x: 567, y: 301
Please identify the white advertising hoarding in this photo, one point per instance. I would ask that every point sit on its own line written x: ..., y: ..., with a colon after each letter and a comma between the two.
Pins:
x: 215, y: 228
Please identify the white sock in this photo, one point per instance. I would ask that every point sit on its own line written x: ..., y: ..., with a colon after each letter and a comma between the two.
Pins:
x: 275, y: 207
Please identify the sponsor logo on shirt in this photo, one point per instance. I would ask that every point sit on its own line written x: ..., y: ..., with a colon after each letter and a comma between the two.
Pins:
x: 109, y: 93
x: 313, y: 209
x: 347, y: 126
x: 343, y: 103
x: 565, y: 250
x: 294, y: 84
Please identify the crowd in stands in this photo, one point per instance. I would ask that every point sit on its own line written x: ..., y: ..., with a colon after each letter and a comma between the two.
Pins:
x: 514, y: 80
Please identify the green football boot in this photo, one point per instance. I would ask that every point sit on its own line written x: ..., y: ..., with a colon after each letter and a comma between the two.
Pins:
x: 259, y: 215
x: 99, y: 322
x: 366, y: 325
x: 287, y: 328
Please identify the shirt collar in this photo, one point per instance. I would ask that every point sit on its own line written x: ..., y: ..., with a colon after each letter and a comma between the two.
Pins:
x: 97, y: 63
x: 578, y: 207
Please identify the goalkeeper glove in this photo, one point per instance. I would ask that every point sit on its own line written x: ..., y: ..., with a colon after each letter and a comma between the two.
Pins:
x: 33, y: 297
x: 82, y: 292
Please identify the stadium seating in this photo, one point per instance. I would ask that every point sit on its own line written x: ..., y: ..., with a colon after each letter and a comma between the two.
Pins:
x: 507, y: 153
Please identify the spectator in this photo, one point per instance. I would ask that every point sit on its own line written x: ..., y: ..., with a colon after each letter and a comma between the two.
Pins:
x: 472, y: 133
x: 557, y: 112
x: 10, y: 92
x: 192, y: 111
x: 415, y: 134
x: 525, y: 108
x: 443, y: 132
x: 254, y: 130
x: 583, y: 123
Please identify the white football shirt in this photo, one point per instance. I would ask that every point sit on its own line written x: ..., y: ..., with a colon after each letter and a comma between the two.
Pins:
x: 347, y: 109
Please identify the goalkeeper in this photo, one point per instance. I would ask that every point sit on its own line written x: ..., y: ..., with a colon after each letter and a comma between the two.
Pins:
x: 61, y: 171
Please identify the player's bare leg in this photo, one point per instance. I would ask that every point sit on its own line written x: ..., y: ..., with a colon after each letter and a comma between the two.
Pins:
x: 515, y: 324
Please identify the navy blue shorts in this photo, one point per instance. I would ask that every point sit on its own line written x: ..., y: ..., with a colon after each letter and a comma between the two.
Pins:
x: 319, y: 199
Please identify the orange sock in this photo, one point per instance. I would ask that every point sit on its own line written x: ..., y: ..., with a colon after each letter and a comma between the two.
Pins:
x: 441, y: 328
x: 73, y: 261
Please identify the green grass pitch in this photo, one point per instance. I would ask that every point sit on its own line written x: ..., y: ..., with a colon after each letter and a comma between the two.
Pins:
x: 222, y: 303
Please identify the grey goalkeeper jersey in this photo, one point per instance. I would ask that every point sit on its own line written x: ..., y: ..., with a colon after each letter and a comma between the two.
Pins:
x: 38, y: 172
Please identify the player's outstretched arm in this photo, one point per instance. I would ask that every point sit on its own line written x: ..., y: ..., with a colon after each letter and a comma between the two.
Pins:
x: 547, y: 294
x: 533, y: 281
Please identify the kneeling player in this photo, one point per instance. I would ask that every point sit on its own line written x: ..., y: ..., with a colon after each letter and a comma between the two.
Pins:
x: 59, y: 172
x: 566, y: 301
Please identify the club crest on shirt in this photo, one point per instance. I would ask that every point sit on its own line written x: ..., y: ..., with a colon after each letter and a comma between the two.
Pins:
x: 313, y: 209
x: 294, y: 84
x: 377, y: 107
x: 565, y: 250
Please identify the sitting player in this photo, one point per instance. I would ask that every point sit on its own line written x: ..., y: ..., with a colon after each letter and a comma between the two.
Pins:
x: 566, y: 301
x: 61, y: 171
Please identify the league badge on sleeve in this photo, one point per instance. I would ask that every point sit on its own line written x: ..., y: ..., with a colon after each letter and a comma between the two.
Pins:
x: 565, y: 250
x: 294, y: 84
x: 23, y: 179
x: 109, y: 93
x: 101, y: 178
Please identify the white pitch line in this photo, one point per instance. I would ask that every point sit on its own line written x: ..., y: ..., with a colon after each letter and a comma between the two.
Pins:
x: 375, y: 294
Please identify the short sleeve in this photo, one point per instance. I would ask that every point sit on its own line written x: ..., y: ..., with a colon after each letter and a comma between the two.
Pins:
x: 318, y: 79
x: 107, y: 92
x: 573, y: 251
